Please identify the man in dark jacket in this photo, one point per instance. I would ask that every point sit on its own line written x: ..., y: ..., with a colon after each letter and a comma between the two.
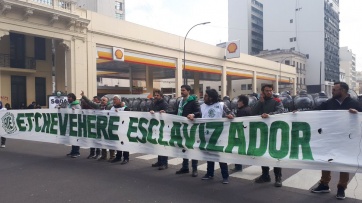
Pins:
x: 268, y: 106
x: 157, y: 105
x: 187, y: 107
x: 339, y: 101
x: 103, y: 104
x: 243, y: 110
x: 118, y: 105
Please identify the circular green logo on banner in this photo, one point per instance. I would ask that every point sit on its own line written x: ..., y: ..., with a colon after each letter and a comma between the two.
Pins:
x: 9, y: 124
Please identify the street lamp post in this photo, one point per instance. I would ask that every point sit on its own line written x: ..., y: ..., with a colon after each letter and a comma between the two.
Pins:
x: 184, y: 68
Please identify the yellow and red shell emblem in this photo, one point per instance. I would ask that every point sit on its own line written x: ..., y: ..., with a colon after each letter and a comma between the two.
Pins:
x: 232, y: 47
x: 119, y: 54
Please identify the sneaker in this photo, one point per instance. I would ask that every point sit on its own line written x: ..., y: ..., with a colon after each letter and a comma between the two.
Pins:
x: 340, y: 193
x: 162, y: 167
x: 98, y: 156
x: 102, y: 158
x: 156, y: 164
x: 194, y: 173
x: 207, y: 177
x: 116, y: 160
x: 2, y: 146
x: 225, y: 181
x: 182, y: 171
x: 321, y: 189
x: 236, y: 170
x: 278, y: 182
x: 262, y: 179
x: 91, y: 156
x: 125, y: 161
x: 75, y: 155
x: 70, y: 154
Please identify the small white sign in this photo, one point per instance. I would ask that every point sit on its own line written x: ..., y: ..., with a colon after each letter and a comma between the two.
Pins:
x: 55, y: 101
x: 232, y: 49
x: 118, y: 54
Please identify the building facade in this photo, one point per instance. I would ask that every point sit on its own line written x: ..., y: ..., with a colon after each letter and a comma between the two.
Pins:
x: 111, y: 8
x: 245, y: 23
x: 309, y: 27
x: 348, y: 65
x: 290, y: 58
x: 58, y: 44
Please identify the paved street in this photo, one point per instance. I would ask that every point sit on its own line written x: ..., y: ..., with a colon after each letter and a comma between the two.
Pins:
x: 40, y: 172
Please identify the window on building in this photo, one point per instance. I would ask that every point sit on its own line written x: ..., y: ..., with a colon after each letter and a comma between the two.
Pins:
x: 250, y: 86
x: 39, y: 48
x: 304, y: 80
x: 219, y: 88
x: 291, y: 39
x: 295, y: 39
x: 301, y: 81
x: 297, y: 80
x: 119, y: 6
x: 40, y: 93
x: 287, y: 62
x: 292, y: 49
x: 294, y: 63
x: 243, y: 86
x: 297, y: 65
x: 119, y: 16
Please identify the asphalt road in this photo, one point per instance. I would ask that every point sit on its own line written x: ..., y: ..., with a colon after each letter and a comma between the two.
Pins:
x: 40, y: 172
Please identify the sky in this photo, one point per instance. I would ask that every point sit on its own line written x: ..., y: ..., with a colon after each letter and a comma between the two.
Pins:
x: 177, y: 17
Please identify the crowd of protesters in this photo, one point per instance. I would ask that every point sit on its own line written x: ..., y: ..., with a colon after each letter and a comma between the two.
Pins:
x: 264, y: 104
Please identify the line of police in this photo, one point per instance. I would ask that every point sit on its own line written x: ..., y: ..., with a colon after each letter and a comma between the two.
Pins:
x: 211, y: 107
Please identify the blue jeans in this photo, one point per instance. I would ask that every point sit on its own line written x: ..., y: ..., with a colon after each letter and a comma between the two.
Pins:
x: 75, y: 149
x: 223, y: 167
x: 125, y: 155
x: 238, y: 167
x: 185, y: 164
x: 163, y: 160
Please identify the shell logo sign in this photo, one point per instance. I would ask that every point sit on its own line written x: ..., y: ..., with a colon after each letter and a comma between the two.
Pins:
x: 232, y: 49
x: 118, y: 54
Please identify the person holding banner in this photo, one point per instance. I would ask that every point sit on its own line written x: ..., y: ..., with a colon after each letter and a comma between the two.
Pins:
x: 94, y: 153
x: 3, y: 139
x: 158, y: 105
x: 268, y: 106
x: 73, y: 103
x: 103, y: 105
x: 340, y: 101
x: 187, y: 107
x: 118, y: 106
x: 213, y: 108
x: 243, y: 110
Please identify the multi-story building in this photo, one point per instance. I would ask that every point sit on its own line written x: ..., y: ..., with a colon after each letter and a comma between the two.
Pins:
x: 309, y: 27
x: 112, y: 8
x: 359, y: 82
x: 291, y: 58
x: 246, y: 24
x: 348, y: 64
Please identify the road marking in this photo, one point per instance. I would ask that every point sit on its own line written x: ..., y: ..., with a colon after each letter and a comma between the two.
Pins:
x: 249, y: 173
x: 304, y: 179
x: 175, y: 161
x: 355, y: 187
x: 203, y: 167
x: 147, y: 157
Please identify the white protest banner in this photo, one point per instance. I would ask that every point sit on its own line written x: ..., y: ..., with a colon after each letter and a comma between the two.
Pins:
x: 327, y: 140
